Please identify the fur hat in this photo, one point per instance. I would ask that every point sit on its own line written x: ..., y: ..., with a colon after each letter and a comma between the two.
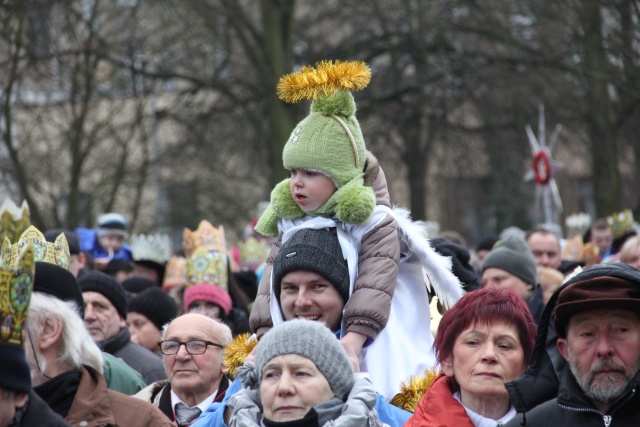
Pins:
x: 328, y: 140
x: 314, y: 341
x: 97, y: 281
x: 513, y: 256
x: 313, y: 250
x: 155, y: 305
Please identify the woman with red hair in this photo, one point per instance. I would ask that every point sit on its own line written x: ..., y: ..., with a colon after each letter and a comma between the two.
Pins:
x: 485, y: 340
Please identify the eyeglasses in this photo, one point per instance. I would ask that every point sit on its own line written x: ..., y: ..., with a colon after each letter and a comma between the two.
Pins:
x: 169, y: 347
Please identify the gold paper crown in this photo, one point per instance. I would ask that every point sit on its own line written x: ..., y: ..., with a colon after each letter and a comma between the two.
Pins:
x: 576, y: 250
x: 54, y: 253
x: 207, y: 236
x: 253, y: 252
x: 14, y: 220
x: 205, y: 266
x: 16, y: 286
x: 152, y: 247
x: 621, y: 222
x: 175, y: 273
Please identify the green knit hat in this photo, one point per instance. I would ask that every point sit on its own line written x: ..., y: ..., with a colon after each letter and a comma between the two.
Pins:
x: 328, y: 140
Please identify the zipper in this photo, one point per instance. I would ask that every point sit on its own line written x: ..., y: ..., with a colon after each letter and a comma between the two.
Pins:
x: 605, y: 418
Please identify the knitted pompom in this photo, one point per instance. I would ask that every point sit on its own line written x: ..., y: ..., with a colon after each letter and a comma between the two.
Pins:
x: 248, y: 376
x: 267, y: 225
x: 356, y: 204
x: 340, y: 103
x: 283, y: 204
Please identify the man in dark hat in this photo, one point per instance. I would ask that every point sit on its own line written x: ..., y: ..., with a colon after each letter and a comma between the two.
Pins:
x: 105, y: 314
x: 597, y: 320
x: 510, y: 264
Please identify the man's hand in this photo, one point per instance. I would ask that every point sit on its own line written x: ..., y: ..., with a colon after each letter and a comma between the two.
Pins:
x: 352, y: 343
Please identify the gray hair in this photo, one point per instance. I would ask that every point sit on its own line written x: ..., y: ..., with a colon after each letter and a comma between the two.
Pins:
x: 78, y: 347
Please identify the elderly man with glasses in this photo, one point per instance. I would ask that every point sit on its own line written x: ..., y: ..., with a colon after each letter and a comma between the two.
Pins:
x: 192, y: 346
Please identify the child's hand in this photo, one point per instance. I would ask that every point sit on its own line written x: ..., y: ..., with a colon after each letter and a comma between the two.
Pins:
x: 352, y: 343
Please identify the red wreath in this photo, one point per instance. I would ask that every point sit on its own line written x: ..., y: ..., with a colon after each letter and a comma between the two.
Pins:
x: 542, y: 168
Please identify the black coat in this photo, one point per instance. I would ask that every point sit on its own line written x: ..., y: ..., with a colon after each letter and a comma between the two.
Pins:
x: 573, y: 408
x: 38, y: 414
x: 548, y: 373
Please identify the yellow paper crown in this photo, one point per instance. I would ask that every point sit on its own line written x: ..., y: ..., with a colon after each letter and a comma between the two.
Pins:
x: 16, y: 286
x: 620, y: 222
x: 210, y: 267
x: 576, y: 250
x: 205, y: 235
x: 14, y: 220
x: 54, y: 253
x: 175, y: 273
x: 253, y: 252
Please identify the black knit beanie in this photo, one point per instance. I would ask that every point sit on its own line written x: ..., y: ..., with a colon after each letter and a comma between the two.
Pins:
x: 137, y: 284
x: 513, y: 256
x: 460, y: 266
x: 96, y: 281
x: 155, y: 305
x: 313, y: 250
x: 56, y: 281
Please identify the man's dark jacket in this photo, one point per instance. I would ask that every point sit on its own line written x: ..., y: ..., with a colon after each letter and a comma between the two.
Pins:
x: 548, y: 375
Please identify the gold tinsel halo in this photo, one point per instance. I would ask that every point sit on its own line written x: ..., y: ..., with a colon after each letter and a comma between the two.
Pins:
x: 324, y: 79
x: 412, y: 390
x: 237, y: 351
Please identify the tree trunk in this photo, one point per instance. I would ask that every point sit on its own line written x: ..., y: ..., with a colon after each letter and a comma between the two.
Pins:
x: 277, y: 18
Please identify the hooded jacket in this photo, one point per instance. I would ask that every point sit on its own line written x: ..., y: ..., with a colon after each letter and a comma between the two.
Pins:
x: 548, y: 375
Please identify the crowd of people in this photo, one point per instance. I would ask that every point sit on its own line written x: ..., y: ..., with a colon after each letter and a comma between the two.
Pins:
x: 336, y: 309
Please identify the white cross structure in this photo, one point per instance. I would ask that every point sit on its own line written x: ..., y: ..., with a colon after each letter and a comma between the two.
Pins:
x: 543, y: 166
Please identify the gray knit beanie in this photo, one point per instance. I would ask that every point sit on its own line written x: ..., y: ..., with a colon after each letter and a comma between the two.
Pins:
x: 313, y: 250
x: 314, y: 341
x: 513, y: 256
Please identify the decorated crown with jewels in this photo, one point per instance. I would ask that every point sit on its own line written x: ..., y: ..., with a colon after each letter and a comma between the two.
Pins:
x: 151, y: 247
x: 14, y: 220
x: 54, y: 253
x: 208, y: 267
x: 621, y: 222
x: 16, y: 286
x: 206, y: 235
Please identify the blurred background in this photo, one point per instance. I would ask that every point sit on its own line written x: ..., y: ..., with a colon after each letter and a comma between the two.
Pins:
x: 166, y: 110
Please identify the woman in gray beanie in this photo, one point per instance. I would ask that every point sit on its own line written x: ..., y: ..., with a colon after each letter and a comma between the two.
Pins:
x: 302, y: 377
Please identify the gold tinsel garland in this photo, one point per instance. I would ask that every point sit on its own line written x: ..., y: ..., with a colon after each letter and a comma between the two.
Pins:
x: 324, y: 79
x: 412, y: 390
x: 237, y: 351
